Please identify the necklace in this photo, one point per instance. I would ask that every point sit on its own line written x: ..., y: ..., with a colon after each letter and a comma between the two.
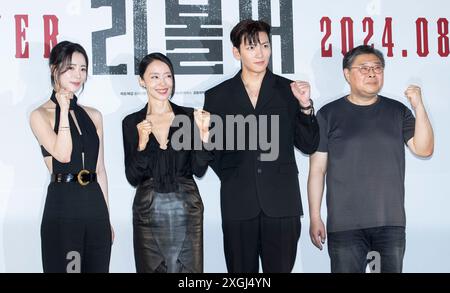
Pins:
x: 161, y: 124
x: 252, y: 89
x: 253, y: 95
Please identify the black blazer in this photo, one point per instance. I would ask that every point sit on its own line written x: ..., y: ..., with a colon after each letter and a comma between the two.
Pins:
x: 138, y: 165
x: 249, y: 185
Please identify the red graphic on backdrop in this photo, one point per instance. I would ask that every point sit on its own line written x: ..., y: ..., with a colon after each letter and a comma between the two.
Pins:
x: 423, y: 29
x: 50, y: 23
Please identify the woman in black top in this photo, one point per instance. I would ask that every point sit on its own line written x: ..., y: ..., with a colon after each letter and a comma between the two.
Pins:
x: 167, y: 208
x: 75, y: 231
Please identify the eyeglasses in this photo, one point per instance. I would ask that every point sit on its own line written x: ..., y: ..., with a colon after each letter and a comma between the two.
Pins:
x: 366, y: 69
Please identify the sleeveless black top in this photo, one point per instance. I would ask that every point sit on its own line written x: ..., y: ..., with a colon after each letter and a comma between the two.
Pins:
x: 86, y: 143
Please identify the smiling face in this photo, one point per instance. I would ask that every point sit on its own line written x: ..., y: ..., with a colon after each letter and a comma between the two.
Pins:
x: 73, y: 76
x: 254, y: 56
x: 367, y: 85
x: 158, y: 80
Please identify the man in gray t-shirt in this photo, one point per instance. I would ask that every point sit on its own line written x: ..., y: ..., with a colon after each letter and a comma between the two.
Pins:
x: 362, y: 154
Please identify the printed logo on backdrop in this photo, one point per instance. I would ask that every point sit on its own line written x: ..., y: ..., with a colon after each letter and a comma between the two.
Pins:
x: 195, y: 38
x: 194, y: 34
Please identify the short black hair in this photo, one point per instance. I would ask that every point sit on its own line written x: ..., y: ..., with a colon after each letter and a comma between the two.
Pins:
x: 351, y: 55
x: 147, y: 60
x: 247, y: 30
x: 61, y: 57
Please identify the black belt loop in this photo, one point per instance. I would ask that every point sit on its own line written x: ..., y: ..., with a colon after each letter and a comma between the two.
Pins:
x: 83, y: 177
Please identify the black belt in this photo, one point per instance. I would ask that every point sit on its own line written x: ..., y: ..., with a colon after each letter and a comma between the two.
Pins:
x: 84, y: 177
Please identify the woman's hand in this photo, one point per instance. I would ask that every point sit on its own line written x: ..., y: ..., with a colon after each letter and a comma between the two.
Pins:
x: 144, y: 129
x: 63, y: 97
x: 202, y: 119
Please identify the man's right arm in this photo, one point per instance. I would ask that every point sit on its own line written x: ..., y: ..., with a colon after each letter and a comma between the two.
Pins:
x: 316, y: 179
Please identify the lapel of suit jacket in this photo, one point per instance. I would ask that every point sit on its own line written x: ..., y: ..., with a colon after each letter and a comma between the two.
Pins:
x: 142, y: 114
x: 240, y: 94
x: 177, y: 110
x: 266, y: 92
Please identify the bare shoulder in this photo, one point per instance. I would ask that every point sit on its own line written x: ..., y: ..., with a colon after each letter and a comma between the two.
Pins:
x: 42, y: 114
x: 95, y: 115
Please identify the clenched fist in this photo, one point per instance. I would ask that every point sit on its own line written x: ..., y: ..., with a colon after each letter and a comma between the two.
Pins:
x: 63, y: 97
x: 302, y: 91
x: 414, y: 95
x: 202, y: 119
x: 144, y: 129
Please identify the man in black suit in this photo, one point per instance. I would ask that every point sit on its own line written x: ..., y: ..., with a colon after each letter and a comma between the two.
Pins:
x: 260, y: 199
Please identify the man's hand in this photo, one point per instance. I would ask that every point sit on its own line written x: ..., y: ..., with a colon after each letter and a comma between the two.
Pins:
x: 302, y: 91
x: 414, y: 95
x: 317, y: 232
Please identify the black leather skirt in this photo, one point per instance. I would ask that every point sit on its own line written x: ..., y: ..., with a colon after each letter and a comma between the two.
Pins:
x: 168, y: 228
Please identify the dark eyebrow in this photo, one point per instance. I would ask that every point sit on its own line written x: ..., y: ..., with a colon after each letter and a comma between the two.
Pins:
x: 155, y: 73
x: 254, y: 44
x: 365, y: 63
x: 73, y: 64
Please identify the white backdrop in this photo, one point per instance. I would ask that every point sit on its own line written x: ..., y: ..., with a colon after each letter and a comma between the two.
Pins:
x: 25, y: 84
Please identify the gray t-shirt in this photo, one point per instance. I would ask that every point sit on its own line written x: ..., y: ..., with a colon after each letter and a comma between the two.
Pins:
x: 366, y: 162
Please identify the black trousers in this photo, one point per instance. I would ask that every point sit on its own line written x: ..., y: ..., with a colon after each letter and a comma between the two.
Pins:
x: 273, y: 239
x: 76, y: 246
x: 75, y: 230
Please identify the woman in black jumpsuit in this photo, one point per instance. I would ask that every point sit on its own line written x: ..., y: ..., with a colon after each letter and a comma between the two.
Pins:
x: 75, y: 229
x: 167, y: 208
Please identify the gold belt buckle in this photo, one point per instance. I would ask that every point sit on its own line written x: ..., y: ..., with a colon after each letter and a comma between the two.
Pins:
x: 80, y: 179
